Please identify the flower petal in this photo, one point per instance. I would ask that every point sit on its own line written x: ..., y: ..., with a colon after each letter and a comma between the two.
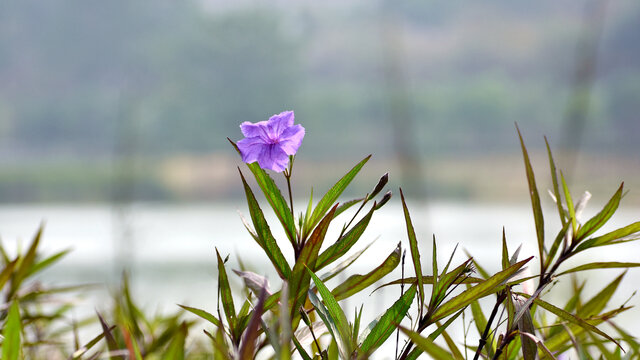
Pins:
x: 274, y: 158
x: 279, y: 123
x: 252, y: 148
x: 253, y: 130
x: 291, y: 139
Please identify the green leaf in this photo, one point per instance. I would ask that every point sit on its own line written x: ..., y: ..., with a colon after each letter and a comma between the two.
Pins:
x: 535, y: 199
x: 6, y: 273
x: 600, y: 300
x: 175, y: 351
x: 556, y: 188
x: 25, y: 264
x: 82, y: 350
x: 602, y: 217
x: 382, y: 328
x: 337, y: 315
x: 343, y: 265
x: 487, y: 287
x: 413, y: 245
x: 274, y: 197
x: 556, y: 244
x: 340, y: 247
x: 41, y: 265
x: 570, y: 209
x: 610, y: 237
x: 572, y: 319
x: 332, y: 195
x: 600, y: 265
x: 263, y: 232
x: 356, y: 283
x: 427, y: 345
x: 226, y: 296
x: 301, y: 351
x: 12, y: 333
x: 299, y: 283
x: 203, y: 314
x: 453, y: 348
x: 111, y: 341
x: 428, y: 279
x: 505, y: 251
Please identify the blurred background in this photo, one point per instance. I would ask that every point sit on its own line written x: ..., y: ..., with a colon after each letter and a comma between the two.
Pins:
x: 114, y: 117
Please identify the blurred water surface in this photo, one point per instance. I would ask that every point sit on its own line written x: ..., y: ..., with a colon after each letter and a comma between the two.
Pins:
x: 169, y: 249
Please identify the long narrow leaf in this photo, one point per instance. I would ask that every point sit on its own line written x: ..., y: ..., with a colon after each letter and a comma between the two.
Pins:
x: 356, y: 283
x: 274, y: 197
x: 428, y: 279
x: 300, y: 278
x: 332, y: 195
x: 489, y: 286
x: 556, y: 188
x: 413, y: 246
x: 267, y: 241
x: 382, y: 328
x: 602, y: 217
x: 535, y: 199
x: 572, y: 319
x: 609, y: 237
x: 12, y: 334
x: 427, y: 345
x: 340, y: 247
x: 569, y: 200
x: 600, y: 265
x: 203, y: 314
x: 336, y: 313
x: 225, y: 295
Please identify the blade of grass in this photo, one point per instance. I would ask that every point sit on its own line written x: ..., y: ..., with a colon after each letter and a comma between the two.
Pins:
x: 413, y: 246
x: 12, y: 333
x: 226, y: 296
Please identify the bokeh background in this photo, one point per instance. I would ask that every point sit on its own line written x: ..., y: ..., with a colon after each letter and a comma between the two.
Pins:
x: 114, y: 118
x: 133, y: 100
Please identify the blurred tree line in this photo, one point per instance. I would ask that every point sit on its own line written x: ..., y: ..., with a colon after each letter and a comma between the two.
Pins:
x: 84, y: 84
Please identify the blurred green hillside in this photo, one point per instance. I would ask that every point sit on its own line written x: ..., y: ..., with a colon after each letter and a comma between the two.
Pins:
x: 133, y: 100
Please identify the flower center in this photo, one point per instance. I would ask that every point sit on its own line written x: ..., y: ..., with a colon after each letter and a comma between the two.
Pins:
x: 273, y: 140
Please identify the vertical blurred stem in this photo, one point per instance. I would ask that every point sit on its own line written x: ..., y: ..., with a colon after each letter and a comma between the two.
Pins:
x: 398, y: 101
x: 577, y: 110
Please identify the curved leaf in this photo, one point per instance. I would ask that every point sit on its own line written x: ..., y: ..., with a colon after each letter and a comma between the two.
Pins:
x: 602, y: 217
x: 263, y: 232
x: 600, y: 265
x: 332, y: 195
x: 342, y: 245
x: 382, y: 328
x: 487, y: 287
x: 356, y: 283
x: 413, y: 246
x: 274, y: 197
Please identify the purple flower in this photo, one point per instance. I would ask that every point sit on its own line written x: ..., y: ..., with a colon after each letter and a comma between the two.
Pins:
x: 271, y: 142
